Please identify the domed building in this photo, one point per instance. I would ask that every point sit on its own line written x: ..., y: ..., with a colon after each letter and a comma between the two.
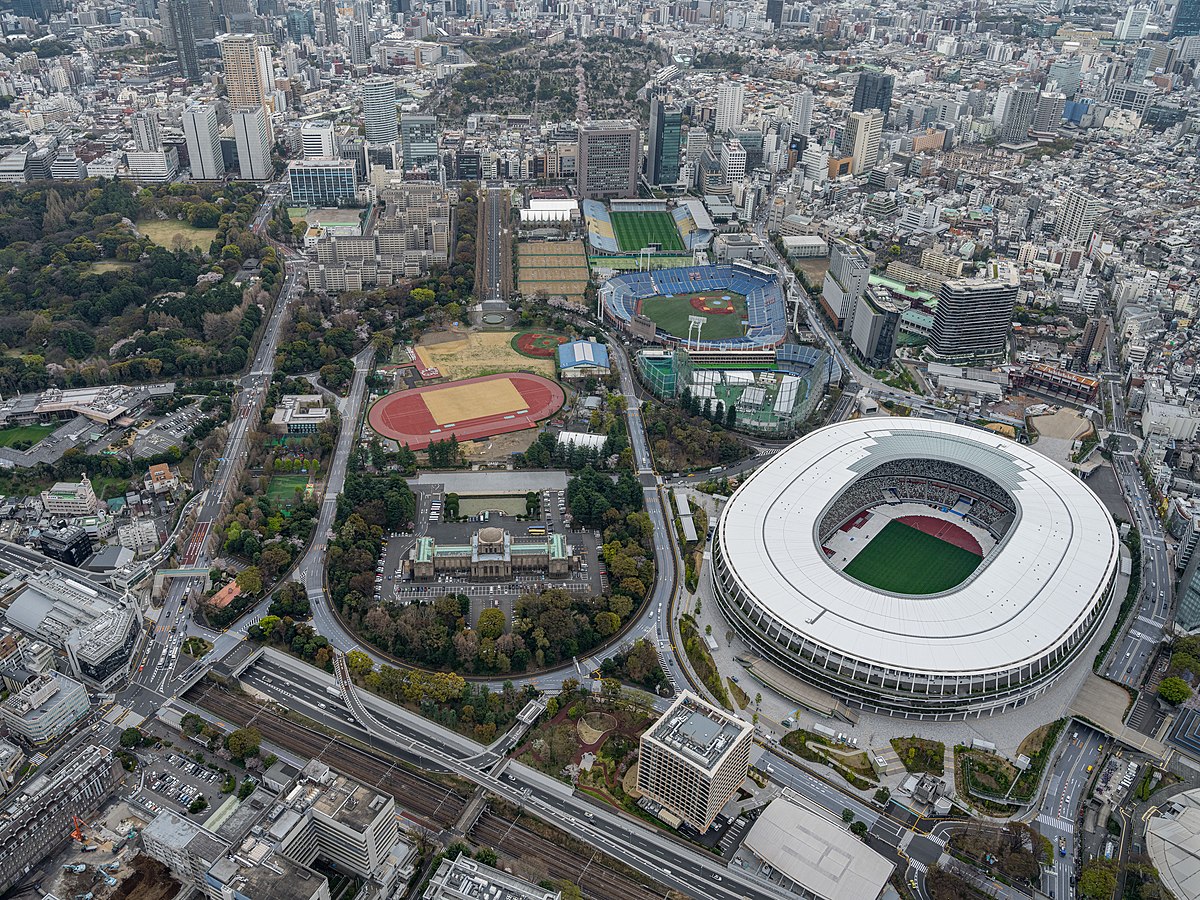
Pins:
x: 493, y: 555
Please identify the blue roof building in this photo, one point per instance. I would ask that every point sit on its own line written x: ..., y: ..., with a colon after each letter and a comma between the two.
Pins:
x: 581, y: 359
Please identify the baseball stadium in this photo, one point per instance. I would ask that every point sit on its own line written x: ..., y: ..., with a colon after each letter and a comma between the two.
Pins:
x: 471, y: 410
x: 916, y: 568
x: 738, y: 306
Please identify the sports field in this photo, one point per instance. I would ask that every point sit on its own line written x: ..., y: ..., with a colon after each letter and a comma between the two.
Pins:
x: 32, y: 434
x: 282, y: 489
x: 635, y: 230
x: 723, y: 313
x: 903, y: 560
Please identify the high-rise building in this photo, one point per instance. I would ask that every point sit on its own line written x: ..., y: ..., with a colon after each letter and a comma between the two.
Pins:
x: 609, y: 154
x: 1049, y: 113
x: 1132, y: 26
x: 203, y: 138
x: 317, y: 140
x: 146, y: 136
x: 243, y: 70
x: 1020, y: 106
x: 693, y: 760
x: 974, y: 316
x: 1187, y: 19
x: 379, y: 110
x: 731, y: 103
x: 697, y: 144
x: 846, y: 280
x: 802, y: 110
x: 662, y: 155
x: 329, y: 12
x: 358, y: 43
x: 873, y: 90
x: 1078, y: 217
x: 775, y: 12
x: 176, y: 18
x: 1067, y: 74
x: 733, y: 162
x: 419, y: 140
x: 876, y: 327
x: 253, y: 143
x: 299, y: 23
x: 861, y: 139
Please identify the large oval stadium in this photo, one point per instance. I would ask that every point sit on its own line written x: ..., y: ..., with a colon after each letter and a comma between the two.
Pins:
x: 914, y: 567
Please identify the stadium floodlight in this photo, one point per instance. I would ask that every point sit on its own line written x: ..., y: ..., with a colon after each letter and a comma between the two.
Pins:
x: 695, y: 323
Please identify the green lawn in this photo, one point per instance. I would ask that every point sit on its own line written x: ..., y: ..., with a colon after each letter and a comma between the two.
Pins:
x: 671, y: 314
x: 164, y: 232
x: 282, y: 488
x: 30, y: 433
x: 635, y: 230
x: 903, y: 560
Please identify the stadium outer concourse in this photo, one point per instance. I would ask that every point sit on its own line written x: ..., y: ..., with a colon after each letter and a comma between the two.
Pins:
x: 991, y: 643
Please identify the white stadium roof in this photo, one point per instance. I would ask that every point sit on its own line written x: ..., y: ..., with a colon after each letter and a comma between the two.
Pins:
x: 1026, y: 598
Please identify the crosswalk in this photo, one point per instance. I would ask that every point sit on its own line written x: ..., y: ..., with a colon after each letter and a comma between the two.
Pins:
x: 937, y: 839
x: 1054, y: 822
x: 918, y: 866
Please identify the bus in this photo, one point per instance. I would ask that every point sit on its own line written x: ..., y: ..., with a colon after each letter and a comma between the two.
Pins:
x: 537, y: 531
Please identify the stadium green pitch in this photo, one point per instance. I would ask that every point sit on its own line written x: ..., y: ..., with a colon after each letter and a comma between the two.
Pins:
x: 671, y: 314
x: 635, y: 230
x: 904, y: 560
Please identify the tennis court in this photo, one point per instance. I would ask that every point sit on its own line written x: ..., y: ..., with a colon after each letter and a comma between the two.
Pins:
x: 905, y: 560
x: 635, y: 230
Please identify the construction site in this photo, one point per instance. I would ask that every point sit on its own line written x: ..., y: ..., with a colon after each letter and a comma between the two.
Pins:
x: 102, y: 861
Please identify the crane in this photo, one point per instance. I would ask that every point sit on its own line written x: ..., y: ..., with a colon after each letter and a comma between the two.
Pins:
x: 77, y: 832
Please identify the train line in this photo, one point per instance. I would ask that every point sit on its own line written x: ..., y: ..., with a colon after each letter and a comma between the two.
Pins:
x: 590, y: 871
x: 439, y: 806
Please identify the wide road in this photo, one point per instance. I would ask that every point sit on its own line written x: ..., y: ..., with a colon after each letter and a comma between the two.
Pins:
x: 494, y: 288
x: 1059, y: 815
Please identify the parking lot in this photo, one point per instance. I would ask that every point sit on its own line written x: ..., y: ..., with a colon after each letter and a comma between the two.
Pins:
x: 168, y: 431
x: 390, y: 579
x: 174, y: 781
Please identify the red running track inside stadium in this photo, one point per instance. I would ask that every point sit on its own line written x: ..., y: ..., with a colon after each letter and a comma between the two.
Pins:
x: 945, y: 531
x: 405, y: 418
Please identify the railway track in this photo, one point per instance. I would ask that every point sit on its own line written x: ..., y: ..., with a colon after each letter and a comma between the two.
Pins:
x: 437, y: 805
x: 590, y: 871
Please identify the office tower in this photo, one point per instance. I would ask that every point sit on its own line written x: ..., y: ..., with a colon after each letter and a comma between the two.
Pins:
x: 733, y: 162
x: 379, y: 110
x: 329, y: 14
x: 243, y: 70
x: 1067, y: 74
x: 662, y: 156
x: 250, y: 135
x: 693, y: 760
x: 609, y: 157
x: 317, y: 140
x: 1049, y: 113
x: 775, y: 12
x: 815, y: 161
x: 1078, y: 217
x: 876, y: 327
x: 873, y: 90
x: 802, y: 109
x: 731, y: 102
x: 974, y: 316
x: 176, y: 18
x: 203, y: 139
x: 322, y: 182
x: 1187, y: 616
x: 1020, y: 106
x: 863, y: 132
x: 697, y: 144
x: 845, y: 281
x: 299, y: 23
x: 146, y: 136
x: 1132, y: 26
x: 357, y: 38
x: 1187, y: 19
x: 419, y: 140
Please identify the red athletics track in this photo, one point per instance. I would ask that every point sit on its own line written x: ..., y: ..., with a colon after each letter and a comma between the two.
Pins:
x: 405, y: 418
x: 944, y: 531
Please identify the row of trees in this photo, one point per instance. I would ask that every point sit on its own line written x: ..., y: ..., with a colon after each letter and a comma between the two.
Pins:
x: 680, y: 441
